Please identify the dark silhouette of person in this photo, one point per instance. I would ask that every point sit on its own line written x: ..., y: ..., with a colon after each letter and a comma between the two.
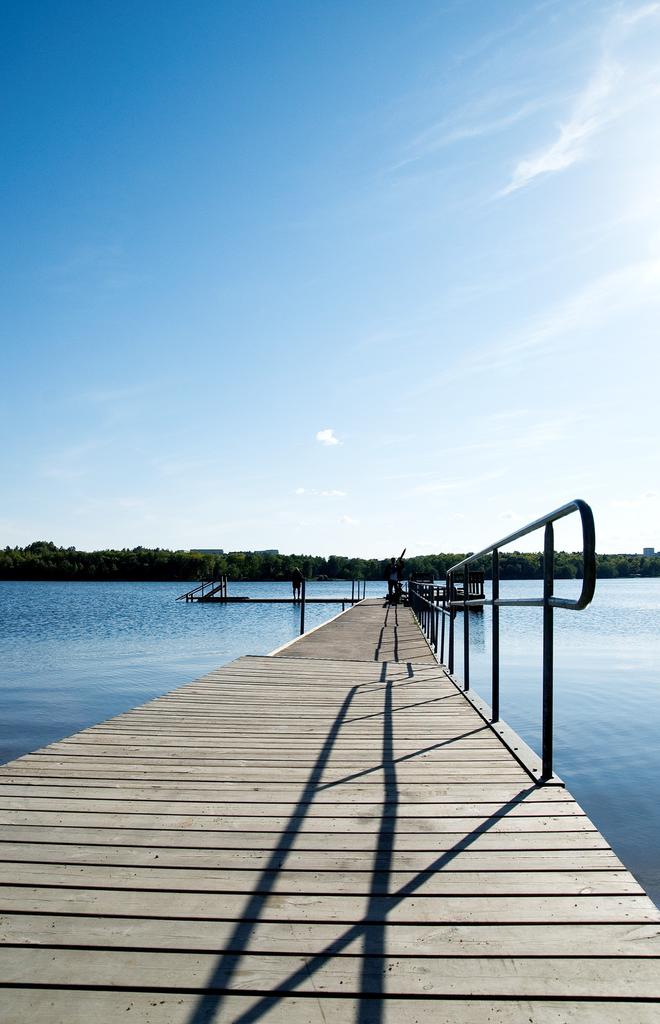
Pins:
x: 296, y: 582
x: 394, y: 577
x: 392, y: 580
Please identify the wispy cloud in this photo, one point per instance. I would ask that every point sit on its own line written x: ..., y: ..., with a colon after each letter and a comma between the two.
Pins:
x: 473, y: 121
x: 439, y: 486
x: 70, y: 463
x: 315, y: 492
x: 348, y: 521
x: 169, y: 466
x: 627, y: 288
x: 98, y: 265
x: 613, y: 89
x: 636, y: 502
x: 589, y: 116
x: 103, y: 396
x: 327, y: 437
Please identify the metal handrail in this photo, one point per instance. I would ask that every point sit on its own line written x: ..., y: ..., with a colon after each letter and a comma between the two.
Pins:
x: 429, y: 610
x: 219, y: 584
x: 588, y: 554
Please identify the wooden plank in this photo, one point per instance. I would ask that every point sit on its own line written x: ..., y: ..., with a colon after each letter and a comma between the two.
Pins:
x: 157, y: 839
x: 181, y: 770
x: 595, y: 897
x: 201, y: 783
x: 519, y: 871
x: 327, y: 818
x: 349, y: 974
x: 554, y: 799
x: 234, y: 803
x: 514, y: 940
x: 220, y: 851
x: 366, y: 824
x: 53, y: 1006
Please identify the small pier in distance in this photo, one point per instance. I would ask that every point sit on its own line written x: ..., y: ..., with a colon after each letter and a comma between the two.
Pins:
x: 216, y: 592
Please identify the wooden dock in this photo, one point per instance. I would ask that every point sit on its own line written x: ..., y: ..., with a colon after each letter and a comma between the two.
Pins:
x: 217, y: 592
x: 330, y: 835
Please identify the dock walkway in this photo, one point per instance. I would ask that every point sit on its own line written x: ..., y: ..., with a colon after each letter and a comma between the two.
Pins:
x: 331, y: 834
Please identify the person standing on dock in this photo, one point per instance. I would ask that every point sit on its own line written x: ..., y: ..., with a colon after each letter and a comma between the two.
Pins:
x: 296, y: 582
x: 394, y: 577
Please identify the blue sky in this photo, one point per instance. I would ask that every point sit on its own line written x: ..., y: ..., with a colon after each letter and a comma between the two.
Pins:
x: 329, y: 276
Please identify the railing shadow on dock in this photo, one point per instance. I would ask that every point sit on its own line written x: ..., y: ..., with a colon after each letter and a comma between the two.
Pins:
x: 381, y: 635
x: 380, y: 900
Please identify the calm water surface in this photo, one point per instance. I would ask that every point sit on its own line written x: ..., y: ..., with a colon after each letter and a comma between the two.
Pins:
x: 72, y: 654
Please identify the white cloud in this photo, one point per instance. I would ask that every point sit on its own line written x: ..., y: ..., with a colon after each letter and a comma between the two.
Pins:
x: 348, y: 521
x: 633, y: 502
x: 474, y: 121
x: 613, y: 90
x: 437, y: 486
x: 589, y: 116
x: 181, y: 467
x: 330, y: 493
x: 638, y: 14
x: 130, y: 503
x: 72, y: 462
x: 111, y: 395
x: 619, y: 291
x: 327, y: 437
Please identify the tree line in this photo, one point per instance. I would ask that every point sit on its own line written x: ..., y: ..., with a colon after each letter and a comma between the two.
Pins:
x: 43, y: 560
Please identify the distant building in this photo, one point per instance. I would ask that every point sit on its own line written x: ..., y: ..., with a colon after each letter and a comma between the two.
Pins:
x: 649, y: 552
x: 262, y: 551
x: 207, y: 551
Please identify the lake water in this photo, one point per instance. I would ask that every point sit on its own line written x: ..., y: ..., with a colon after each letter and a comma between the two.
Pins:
x: 72, y: 654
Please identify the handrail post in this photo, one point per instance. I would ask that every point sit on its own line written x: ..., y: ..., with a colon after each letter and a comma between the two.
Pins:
x: 442, y: 635
x: 452, y: 615
x: 302, y: 607
x: 548, y: 652
x: 495, y: 622
x: 466, y: 630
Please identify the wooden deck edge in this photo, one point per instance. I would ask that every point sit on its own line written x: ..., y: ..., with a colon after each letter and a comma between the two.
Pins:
x: 526, y: 757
